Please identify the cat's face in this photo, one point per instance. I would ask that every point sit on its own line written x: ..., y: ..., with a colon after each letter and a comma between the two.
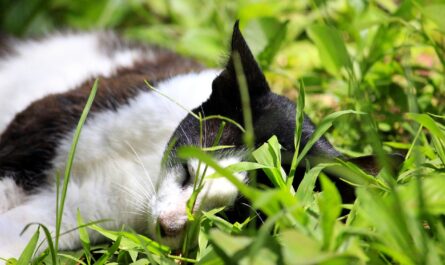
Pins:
x: 271, y: 115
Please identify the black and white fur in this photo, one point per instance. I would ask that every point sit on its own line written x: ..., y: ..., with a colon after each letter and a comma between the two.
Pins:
x: 117, y: 171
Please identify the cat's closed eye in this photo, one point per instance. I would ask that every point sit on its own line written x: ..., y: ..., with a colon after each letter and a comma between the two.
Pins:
x: 187, y: 177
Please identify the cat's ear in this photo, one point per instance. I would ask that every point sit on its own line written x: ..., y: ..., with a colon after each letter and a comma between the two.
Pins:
x: 226, y: 84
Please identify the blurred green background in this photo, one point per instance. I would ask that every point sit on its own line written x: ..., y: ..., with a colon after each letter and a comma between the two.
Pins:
x: 383, y: 57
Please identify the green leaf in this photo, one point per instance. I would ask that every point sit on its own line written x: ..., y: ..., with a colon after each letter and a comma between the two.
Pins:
x: 297, y: 247
x: 222, y: 224
x: 131, y: 241
x: 273, y: 201
x: 273, y: 46
x: 299, y: 118
x: 229, y: 244
x: 208, y: 40
x: 438, y: 135
x: 391, y: 226
x: 83, y: 235
x: 26, y: 256
x: 69, y: 259
x: 188, y: 152
x: 218, y: 147
x: 211, y: 258
x: 322, y: 128
x: 110, y: 252
x: 259, y: 33
x: 428, y: 122
x: 49, y: 240
x: 329, y: 203
x: 238, y: 167
x: 307, y: 184
x: 354, y: 174
x: 439, y: 147
x: 269, y: 155
x: 433, y: 190
x: 331, y: 47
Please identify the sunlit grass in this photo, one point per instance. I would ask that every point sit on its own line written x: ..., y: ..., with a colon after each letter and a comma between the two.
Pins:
x: 382, y: 67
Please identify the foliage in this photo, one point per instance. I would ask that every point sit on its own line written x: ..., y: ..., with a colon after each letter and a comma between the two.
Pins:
x: 381, y: 59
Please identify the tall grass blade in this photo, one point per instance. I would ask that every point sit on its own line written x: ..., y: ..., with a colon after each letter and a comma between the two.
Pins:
x: 299, y: 117
x: 70, y: 160
x: 322, y: 128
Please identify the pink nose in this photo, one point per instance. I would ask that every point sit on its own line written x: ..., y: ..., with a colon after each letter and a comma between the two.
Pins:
x: 172, y: 224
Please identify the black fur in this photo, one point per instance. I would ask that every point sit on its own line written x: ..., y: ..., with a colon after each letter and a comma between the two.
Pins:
x: 272, y: 114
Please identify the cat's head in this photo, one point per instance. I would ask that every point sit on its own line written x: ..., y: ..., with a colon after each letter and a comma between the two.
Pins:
x: 271, y: 115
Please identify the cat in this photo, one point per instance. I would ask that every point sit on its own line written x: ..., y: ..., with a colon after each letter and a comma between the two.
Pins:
x: 117, y: 172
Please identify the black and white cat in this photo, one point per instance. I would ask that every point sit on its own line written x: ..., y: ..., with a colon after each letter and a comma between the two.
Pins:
x: 117, y: 173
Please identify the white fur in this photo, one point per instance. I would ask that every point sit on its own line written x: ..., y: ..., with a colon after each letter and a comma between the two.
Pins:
x: 54, y: 64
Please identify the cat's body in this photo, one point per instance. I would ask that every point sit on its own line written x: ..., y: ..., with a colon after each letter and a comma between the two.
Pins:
x: 117, y: 170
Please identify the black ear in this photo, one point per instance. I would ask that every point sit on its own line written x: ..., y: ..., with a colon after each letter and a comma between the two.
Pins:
x: 226, y: 84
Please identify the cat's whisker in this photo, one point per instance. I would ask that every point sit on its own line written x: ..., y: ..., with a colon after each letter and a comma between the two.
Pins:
x: 185, y: 134
x: 135, y: 190
x: 141, y: 163
x: 134, y: 194
x: 140, y: 214
x: 139, y: 205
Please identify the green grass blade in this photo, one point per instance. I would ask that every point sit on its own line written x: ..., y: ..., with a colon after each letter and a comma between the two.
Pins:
x: 188, y: 152
x: 219, y: 117
x: 331, y: 47
x: 426, y: 121
x: 84, y: 238
x: 69, y: 257
x: 269, y: 155
x: 49, y: 240
x: 69, y: 163
x: 307, y: 185
x: 110, y: 252
x: 299, y: 117
x: 268, y: 54
x: 330, y: 209
x: 322, y: 128
x: 26, y: 256
x: 240, y: 167
x: 249, y: 137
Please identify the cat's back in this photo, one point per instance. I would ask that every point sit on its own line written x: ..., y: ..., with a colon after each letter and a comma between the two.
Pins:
x: 31, y: 69
x: 45, y: 83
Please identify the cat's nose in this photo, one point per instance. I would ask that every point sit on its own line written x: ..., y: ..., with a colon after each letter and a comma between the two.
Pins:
x: 172, y: 224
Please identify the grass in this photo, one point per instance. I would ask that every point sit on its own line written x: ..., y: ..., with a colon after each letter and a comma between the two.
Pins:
x: 377, y: 66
